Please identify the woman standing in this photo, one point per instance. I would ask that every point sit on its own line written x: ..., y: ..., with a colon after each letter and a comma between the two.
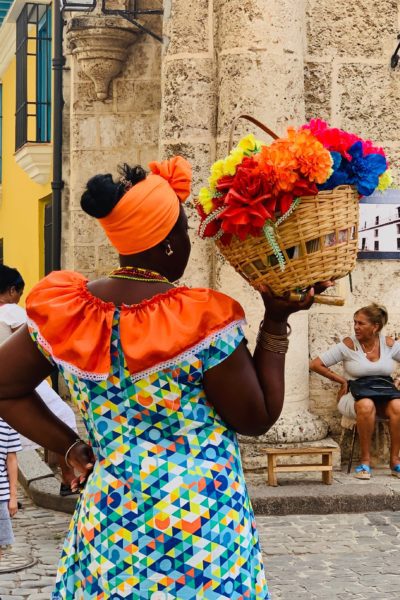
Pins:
x: 13, y: 316
x: 164, y: 379
x: 366, y: 353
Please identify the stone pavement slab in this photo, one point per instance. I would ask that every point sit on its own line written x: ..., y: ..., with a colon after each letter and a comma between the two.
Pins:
x: 304, y: 493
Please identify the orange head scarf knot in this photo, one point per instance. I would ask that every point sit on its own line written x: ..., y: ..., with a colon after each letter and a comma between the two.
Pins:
x: 149, y: 210
x: 178, y: 172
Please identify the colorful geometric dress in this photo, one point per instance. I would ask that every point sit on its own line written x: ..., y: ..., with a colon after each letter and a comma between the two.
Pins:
x: 165, y: 514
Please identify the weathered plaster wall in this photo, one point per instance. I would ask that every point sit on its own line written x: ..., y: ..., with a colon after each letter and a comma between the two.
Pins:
x: 348, y: 81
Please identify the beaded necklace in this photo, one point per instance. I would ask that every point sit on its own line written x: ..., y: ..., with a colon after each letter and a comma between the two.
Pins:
x: 137, y: 274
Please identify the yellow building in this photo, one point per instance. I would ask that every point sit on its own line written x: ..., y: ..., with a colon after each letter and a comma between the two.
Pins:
x: 26, y: 148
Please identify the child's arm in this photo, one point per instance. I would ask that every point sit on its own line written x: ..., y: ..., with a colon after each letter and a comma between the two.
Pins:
x: 12, y: 470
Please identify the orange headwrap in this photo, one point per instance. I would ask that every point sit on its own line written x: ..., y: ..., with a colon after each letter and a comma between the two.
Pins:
x: 148, y: 211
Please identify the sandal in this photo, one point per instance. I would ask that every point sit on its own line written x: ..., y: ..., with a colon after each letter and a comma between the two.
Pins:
x: 364, y: 472
x: 396, y: 471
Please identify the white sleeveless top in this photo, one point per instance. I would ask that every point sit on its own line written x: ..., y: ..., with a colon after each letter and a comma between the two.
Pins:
x: 355, y: 362
x: 11, y: 317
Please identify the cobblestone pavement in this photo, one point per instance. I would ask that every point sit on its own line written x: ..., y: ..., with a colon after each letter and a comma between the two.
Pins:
x: 307, y: 557
x: 332, y: 557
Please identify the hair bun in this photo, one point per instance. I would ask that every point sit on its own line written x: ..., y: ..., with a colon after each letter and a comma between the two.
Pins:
x: 130, y: 176
x: 100, y: 197
x: 384, y: 311
x: 102, y: 193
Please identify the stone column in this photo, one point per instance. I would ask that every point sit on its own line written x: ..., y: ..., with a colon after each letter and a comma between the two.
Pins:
x: 188, y: 108
x: 261, y: 73
x: 113, y: 115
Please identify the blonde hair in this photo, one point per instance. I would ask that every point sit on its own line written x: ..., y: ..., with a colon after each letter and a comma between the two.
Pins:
x: 375, y: 313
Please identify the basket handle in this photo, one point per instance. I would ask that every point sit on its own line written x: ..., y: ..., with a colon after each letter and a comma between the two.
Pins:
x: 252, y: 120
x: 319, y: 299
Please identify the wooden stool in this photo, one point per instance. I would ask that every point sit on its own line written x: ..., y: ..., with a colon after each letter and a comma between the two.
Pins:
x: 326, y: 466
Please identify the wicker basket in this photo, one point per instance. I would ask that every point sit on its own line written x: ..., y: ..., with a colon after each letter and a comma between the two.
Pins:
x: 318, y: 240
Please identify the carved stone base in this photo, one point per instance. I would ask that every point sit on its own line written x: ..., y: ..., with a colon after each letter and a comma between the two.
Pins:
x: 294, y: 429
x: 100, y: 45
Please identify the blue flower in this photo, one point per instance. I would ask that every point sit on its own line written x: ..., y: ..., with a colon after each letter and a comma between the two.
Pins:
x: 340, y: 176
x: 361, y: 171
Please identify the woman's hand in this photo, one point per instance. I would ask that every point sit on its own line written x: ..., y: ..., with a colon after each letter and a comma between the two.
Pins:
x: 344, y: 388
x: 81, y: 459
x: 278, y: 308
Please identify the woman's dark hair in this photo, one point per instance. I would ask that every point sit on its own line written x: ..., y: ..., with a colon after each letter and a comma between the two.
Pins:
x: 9, y: 278
x: 102, y: 194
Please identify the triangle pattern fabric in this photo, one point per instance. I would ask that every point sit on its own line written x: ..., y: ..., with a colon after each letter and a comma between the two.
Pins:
x: 165, y: 514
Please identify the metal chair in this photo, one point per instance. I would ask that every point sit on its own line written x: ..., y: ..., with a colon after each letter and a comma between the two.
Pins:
x: 353, y: 441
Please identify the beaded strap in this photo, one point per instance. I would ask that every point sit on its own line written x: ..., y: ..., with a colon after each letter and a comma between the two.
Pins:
x: 137, y: 274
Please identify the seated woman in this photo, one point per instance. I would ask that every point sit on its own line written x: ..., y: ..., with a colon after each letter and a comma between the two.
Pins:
x: 368, y: 353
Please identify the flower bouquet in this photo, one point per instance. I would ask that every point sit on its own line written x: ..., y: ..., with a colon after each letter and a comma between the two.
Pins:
x: 286, y: 213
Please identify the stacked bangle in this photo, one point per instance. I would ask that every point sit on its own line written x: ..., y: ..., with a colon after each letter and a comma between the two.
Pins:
x: 272, y: 341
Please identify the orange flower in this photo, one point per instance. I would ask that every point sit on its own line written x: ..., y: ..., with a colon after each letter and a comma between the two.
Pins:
x: 281, y: 165
x: 314, y: 161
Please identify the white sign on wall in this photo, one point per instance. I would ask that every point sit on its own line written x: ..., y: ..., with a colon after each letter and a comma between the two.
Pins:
x: 379, y: 226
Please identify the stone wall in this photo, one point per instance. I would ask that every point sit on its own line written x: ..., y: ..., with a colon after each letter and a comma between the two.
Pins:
x: 100, y: 134
x: 279, y: 60
x: 348, y: 81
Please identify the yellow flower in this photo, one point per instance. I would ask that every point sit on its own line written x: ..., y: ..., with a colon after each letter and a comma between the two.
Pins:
x: 205, y: 199
x: 385, y: 181
x: 217, y: 171
x: 248, y: 143
x: 232, y: 161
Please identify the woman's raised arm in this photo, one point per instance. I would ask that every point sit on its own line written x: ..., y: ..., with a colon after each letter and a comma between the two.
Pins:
x: 248, y: 391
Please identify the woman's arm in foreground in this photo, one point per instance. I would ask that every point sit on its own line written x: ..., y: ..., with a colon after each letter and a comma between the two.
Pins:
x: 248, y: 391
x: 22, y: 368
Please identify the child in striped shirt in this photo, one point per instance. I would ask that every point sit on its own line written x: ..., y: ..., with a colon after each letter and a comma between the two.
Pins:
x: 9, y: 445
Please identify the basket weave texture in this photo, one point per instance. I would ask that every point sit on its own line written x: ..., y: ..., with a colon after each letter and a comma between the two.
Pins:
x: 318, y: 241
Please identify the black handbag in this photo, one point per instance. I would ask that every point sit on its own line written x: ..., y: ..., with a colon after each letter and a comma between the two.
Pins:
x: 374, y: 387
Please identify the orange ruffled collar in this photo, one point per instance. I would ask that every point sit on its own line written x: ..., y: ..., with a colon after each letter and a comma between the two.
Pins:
x: 75, y: 327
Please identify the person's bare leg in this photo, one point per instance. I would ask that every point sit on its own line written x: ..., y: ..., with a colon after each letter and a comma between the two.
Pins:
x: 366, y: 412
x: 392, y: 411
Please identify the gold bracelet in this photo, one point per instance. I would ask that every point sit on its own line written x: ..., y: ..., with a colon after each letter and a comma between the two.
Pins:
x: 286, y: 335
x: 273, y: 342
x: 77, y: 441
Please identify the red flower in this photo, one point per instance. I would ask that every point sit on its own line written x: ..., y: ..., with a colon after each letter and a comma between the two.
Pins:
x: 332, y: 138
x: 302, y: 187
x: 369, y: 148
x: 249, y: 202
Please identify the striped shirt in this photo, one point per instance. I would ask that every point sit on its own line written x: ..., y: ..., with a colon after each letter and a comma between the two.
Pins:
x: 9, y: 442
